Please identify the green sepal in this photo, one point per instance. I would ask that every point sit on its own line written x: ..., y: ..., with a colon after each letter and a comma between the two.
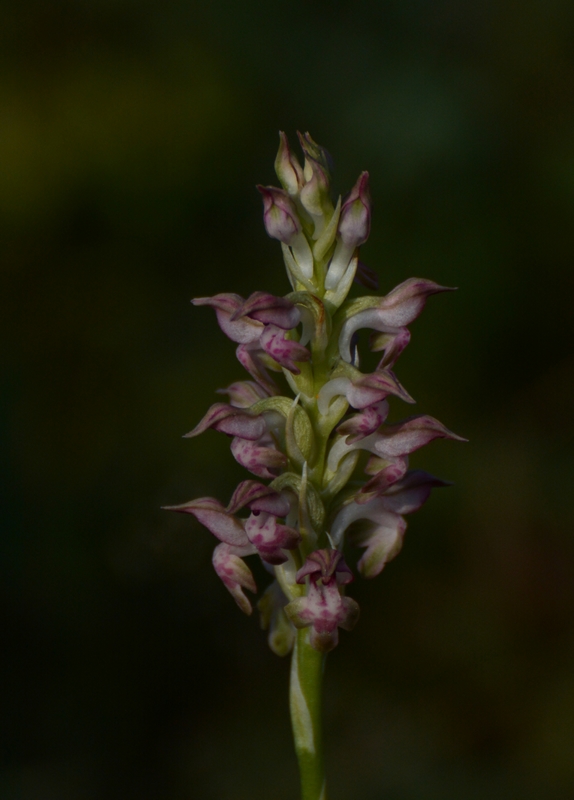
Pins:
x: 299, y: 437
x: 327, y: 237
x: 317, y: 310
x: 298, y: 280
x: 273, y: 618
x: 294, y: 482
x: 348, y: 309
x: 335, y: 297
x: 357, y: 304
x: 293, y: 612
x: 334, y: 482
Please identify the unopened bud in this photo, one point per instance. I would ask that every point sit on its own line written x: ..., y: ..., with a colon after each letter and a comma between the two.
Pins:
x: 315, y: 152
x: 315, y: 194
x: 287, y: 167
x: 279, y: 214
x: 355, y: 221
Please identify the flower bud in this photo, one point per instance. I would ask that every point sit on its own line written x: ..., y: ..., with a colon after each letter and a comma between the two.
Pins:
x: 314, y: 151
x: 315, y: 196
x: 279, y: 214
x: 355, y: 221
x: 287, y: 167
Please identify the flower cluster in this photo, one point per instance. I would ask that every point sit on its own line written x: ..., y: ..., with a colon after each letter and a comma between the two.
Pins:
x: 308, y: 446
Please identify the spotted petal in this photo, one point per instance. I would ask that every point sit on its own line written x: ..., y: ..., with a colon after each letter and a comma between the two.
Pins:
x: 263, y: 461
x: 235, y: 573
x: 365, y: 422
x: 270, y: 537
x: 282, y: 350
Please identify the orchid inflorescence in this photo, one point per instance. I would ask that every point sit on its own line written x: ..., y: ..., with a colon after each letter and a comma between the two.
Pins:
x: 307, y: 448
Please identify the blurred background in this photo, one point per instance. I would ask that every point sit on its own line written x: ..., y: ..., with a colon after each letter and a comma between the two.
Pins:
x: 131, y: 138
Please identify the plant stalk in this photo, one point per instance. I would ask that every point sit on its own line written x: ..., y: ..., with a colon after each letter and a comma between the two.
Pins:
x: 307, y: 667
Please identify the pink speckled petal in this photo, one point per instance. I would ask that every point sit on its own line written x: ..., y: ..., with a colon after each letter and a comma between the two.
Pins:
x: 270, y: 537
x: 265, y: 462
x: 282, y: 350
x: 324, y: 609
x: 366, y: 422
x: 235, y: 573
x: 327, y: 564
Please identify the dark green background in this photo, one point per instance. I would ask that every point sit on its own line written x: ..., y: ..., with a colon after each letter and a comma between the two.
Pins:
x: 131, y: 137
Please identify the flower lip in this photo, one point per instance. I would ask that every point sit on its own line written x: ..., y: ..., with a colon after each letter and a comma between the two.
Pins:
x: 328, y: 565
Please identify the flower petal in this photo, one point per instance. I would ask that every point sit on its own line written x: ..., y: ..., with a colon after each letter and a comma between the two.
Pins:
x: 270, y: 537
x: 398, y: 309
x: 327, y: 564
x: 407, y: 436
x: 265, y: 462
x: 364, y: 423
x: 279, y: 214
x: 411, y: 492
x: 215, y: 518
x: 406, y: 301
x: 235, y: 573
x: 390, y: 473
x: 282, y: 350
x: 375, y: 386
x: 243, y: 394
x: 243, y: 330
x: 355, y: 220
x: 231, y: 420
x: 392, y: 343
x: 268, y: 309
x: 249, y: 357
x: 247, y: 492
x: 324, y: 609
x: 383, y: 541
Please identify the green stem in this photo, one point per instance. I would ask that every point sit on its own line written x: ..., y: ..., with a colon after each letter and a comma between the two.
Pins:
x: 305, y: 701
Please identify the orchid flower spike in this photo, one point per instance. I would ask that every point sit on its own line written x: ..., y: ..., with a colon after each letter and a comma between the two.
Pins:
x: 308, y: 336
x: 298, y: 423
